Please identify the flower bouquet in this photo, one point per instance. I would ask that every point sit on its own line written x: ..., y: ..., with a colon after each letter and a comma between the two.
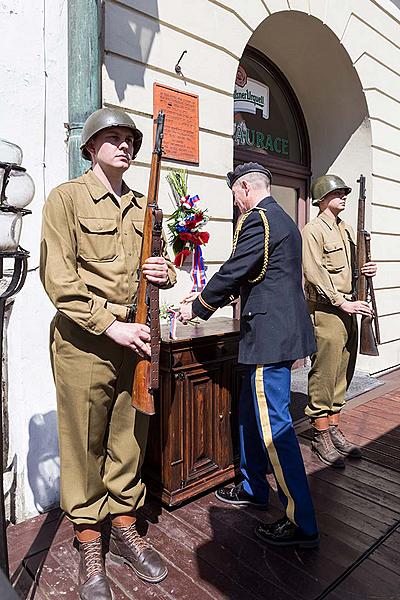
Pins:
x: 184, y: 227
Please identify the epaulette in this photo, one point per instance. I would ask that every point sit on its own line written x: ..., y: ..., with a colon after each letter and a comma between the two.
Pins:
x: 240, y: 224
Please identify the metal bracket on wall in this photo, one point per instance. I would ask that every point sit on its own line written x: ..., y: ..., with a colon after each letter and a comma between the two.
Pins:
x: 178, y: 68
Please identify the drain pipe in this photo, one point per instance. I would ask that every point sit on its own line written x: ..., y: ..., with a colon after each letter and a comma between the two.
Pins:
x: 84, y: 90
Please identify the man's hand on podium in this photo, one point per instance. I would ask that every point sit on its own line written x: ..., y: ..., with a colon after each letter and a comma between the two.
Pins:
x: 185, y: 309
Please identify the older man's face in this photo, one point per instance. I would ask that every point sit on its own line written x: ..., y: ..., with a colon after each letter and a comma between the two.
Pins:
x: 240, y: 195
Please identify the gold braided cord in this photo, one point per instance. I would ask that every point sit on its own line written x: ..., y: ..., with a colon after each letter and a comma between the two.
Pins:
x: 264, y: 219
x: 238, y: 230
x: 261, y: 276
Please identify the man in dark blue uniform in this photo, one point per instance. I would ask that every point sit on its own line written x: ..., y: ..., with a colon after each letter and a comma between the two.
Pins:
x: 264, y: 269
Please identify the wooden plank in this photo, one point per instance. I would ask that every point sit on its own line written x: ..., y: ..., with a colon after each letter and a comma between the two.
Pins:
x: 370, y: 477
x: 380, y: 470
x: 333, y: 557
x: 371, y: 422
x: 179, y: 544
x: 375, y: 455
x: 358, y: 488
x: 124, y: 578
x: 388, y: 400
x: 58, y: 579
x: 359, y: 530
x: 352, y: 482
x: 387, y: 583
x: 218, y: 568
x: 290, y: 577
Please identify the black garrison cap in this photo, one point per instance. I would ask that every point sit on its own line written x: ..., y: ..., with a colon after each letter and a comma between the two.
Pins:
x: 244, y: 169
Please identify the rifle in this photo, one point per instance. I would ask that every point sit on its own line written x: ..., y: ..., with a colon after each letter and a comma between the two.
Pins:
x: 146, y: 376
x: 369, y: 339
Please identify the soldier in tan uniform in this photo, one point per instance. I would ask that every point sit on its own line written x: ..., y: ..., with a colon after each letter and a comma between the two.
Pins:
x: 328, y: 264
x: 90, y: 249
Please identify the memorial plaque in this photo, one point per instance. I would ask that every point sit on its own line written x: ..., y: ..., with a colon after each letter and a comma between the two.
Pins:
x: 181, y: 132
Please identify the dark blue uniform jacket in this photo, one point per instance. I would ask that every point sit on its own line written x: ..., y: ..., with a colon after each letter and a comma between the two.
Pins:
x: 275, y: 325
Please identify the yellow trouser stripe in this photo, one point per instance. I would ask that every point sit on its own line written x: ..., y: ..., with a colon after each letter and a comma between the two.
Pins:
x: 268, y: 440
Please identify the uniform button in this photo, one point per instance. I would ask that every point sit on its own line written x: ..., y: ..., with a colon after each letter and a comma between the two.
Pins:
x: 99, y: 226
x: 125, y: 233
x: 249, y: 314
x: 129, y: 253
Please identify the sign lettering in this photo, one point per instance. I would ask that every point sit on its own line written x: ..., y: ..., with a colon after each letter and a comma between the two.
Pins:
x: 259, y: 139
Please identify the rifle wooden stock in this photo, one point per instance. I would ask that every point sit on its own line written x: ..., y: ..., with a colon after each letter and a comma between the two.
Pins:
x: 368, y: 343
x: 369, y: 339
x: 145, y: 380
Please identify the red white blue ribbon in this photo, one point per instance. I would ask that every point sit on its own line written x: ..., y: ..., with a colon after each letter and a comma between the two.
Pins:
x: 189, y: 201
x: 172, y: 314
x: 198, y: 272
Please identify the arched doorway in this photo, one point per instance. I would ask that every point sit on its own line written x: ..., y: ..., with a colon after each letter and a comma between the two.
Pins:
x: 270, y: 129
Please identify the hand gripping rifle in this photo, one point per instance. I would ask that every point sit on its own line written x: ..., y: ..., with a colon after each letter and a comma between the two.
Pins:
x: 146, y: 376
x: 369, y: 339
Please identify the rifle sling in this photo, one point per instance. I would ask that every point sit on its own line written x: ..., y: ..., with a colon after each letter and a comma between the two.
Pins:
x: 154, y: 312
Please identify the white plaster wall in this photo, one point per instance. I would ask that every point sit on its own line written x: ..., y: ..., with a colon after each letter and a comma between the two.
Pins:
x: 33, y: 75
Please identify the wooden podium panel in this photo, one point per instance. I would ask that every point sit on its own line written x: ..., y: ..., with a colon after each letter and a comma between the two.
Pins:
x: 193, y: 438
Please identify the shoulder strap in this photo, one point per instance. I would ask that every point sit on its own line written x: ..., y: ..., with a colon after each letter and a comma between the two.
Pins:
x: 264, y: 219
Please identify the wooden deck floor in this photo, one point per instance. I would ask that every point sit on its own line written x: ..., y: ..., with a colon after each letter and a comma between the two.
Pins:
x: 212, y: 552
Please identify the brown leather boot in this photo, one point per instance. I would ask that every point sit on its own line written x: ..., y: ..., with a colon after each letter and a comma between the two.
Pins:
x: 93, y: 584
x: 323, y: 447
x: 127, y: 547
x: 342, y: 445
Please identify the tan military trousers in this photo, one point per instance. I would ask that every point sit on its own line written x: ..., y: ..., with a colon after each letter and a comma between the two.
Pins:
x: 332, y: 366
x: 102, y: 438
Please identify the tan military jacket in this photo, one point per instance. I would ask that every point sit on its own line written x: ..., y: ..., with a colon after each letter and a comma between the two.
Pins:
x: 90, y: 251
x: 328, y: 260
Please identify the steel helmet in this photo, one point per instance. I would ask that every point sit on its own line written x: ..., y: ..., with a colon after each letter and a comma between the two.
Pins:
x: 325, y: 184
x: 109, y: 117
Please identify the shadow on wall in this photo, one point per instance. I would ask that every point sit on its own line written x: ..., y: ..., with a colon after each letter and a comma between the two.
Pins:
x: 129, y: 34
x: 43, y: 460
x: 327, y: 86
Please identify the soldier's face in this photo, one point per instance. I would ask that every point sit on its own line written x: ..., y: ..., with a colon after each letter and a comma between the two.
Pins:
x: 112, y: 147
x: 336, y: 200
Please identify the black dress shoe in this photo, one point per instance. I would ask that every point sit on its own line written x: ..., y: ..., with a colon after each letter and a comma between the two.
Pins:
x: 239, y: 497
x: 285, y: 533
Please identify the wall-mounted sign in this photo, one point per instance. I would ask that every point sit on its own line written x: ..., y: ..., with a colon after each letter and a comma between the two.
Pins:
x: 181, y: 131
x: 255, y: 127
x: 250, y: 95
